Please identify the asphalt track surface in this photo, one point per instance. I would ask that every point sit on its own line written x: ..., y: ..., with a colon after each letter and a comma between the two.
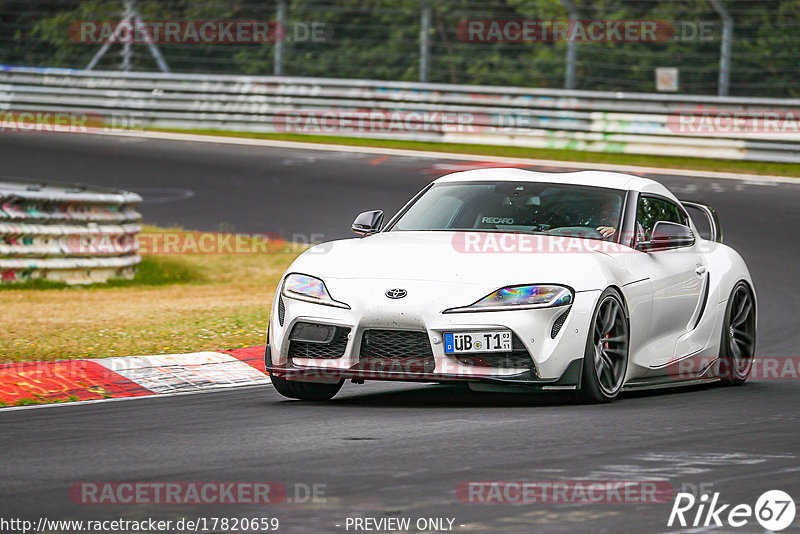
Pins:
x: 399, y: 450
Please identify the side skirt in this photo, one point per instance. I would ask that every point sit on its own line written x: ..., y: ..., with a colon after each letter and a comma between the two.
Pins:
x: 663, y: 383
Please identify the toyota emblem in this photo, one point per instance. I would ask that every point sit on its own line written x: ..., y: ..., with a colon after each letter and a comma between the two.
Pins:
x: 396, y: 293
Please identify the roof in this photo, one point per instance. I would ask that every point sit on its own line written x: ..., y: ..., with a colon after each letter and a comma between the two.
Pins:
x: 613, y: 180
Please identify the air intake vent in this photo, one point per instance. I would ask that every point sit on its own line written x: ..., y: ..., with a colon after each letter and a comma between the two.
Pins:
x: 331, y: 347
x: 558, y: 324
x: 402, y: 351
x: 281, y: 311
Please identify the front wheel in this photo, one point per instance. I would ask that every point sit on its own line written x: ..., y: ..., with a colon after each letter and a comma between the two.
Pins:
x: 309, y: 391
x: 738, y: 344
x: 605, y: 360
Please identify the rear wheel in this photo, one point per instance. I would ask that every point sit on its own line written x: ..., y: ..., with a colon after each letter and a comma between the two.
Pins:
x: 738, y: 345
x: 310, y: 391
x: 605, y: 360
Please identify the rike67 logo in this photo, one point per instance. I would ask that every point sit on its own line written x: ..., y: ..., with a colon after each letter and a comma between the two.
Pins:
x: 774, y: 510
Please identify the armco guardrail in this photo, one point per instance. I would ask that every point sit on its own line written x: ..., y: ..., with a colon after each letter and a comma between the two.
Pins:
x: 638, y: 123
x: 69, y: 233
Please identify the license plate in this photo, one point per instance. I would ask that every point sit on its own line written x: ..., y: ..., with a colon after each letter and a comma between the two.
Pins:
x: 486, y: 341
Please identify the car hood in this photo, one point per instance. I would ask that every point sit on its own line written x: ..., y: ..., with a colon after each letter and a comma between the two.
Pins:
x: 475, y: 258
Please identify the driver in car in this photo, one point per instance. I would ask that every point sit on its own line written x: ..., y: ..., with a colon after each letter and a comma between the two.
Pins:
x: 607, y: 217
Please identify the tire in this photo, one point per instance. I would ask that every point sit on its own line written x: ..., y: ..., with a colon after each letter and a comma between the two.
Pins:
x: 309, y: 391
x: 605, y: 362
x: 738, y: 344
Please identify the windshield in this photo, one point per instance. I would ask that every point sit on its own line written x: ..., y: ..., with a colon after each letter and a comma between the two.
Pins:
x: 531, y: 207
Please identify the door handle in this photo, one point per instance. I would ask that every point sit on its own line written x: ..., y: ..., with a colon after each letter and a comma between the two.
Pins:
x: 700, y: 270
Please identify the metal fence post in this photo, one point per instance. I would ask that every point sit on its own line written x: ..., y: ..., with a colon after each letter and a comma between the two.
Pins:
x: 127, y: 15
x: 279, y: 43
x: 130, y: 16
x: 425, y: 42
x: 725, y: 47
x: 151, y: 45
x: 572, y: 46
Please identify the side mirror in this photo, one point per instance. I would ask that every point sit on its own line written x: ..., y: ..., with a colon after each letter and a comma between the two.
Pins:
x: 669, y: 235
x: 711, y: 220
x: 368, y: 223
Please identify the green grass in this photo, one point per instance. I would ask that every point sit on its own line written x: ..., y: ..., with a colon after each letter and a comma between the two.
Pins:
x: 159, y: 271
x: 30, y: 401
x: 672, y: 162
x: 35, y: 284
x: 176, y: 303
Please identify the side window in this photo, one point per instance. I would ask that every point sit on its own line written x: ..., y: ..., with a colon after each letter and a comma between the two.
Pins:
x: 652, y: 209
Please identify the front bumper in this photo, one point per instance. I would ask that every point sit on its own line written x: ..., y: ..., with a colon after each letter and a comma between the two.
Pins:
x: 555, y: 362
x: 570, y: 379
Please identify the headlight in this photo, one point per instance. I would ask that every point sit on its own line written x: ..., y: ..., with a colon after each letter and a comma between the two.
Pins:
x: 520, y: 298
x: 310, y: 289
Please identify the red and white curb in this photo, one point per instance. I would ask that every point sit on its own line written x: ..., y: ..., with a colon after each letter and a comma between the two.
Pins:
x: 132, y: 376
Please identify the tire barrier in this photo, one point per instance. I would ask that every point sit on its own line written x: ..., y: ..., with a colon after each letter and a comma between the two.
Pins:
x: 764, y: 129
x: 65, y: 232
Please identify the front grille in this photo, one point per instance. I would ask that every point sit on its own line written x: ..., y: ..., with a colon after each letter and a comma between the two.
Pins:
x: 518, y: 358
x: 396, y: 351
x: 334, y: 349
x: 558, y: 324
x: 281, y: 310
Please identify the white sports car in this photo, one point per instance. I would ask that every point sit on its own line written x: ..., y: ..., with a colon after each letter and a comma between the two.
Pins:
x: 511, y: 280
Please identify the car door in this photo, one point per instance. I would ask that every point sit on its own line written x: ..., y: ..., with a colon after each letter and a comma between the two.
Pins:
x: 678, y: 279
